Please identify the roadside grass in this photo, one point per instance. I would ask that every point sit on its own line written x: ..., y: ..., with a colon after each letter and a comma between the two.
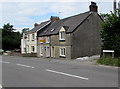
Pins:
x: 109, y: 61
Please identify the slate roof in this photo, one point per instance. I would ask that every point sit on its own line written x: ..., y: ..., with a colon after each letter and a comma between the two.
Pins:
x: 39, y: 27
x: 53, y: 28
x: 70, y: 24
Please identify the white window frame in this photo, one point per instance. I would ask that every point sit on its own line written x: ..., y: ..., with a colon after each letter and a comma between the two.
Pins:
x: 25, y: 50
x: 32, y: 51
x: 28, y: 48
x: 47, y: 39
x: 63, y: 51
x: 41, y: 50
x: 62, y: 35
x: 28, y: 37
x: 33, y: 37
x: 25, y: 36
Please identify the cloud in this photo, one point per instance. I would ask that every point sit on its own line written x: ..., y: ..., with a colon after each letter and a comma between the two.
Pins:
x: 24, y: 13
x: 54, y: 0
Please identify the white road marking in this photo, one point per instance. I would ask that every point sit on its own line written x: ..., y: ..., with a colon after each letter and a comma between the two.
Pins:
x: 0, y: 87
x: 67, y: 74
x: 25, y: 65
x: 5, y: 62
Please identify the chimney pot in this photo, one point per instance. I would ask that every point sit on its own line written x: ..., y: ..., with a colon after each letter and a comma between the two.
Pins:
x: 35, y: 25
x: 93, y: 7
x: 54, y: 18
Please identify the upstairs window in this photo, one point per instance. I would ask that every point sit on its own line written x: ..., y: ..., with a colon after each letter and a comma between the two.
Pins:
x: 62, y: 35
x: 28, y: 37
x: 47, y: 40
x: 33, y: 37
x: 25, y: 36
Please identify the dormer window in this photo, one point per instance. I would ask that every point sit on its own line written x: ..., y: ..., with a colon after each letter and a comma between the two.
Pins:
x: 45, y: 31
x: 62, y: 34
x: 52, y: 30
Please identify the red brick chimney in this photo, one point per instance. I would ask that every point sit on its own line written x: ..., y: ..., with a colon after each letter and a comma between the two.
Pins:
x: 36, y: 24
x: 54, y: 18
x: 93, y: 7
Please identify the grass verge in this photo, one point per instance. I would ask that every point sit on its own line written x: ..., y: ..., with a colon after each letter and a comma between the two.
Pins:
x: 109, y: 61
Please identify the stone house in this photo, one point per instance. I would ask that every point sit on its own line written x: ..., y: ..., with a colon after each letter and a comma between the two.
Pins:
x: 72, y: 37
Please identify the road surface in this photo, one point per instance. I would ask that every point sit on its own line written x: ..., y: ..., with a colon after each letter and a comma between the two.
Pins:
x: 38, y: 72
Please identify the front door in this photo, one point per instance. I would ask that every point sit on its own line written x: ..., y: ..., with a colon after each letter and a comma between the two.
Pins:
x: 47, y: 51
x: 53, y: 54
x: 41, y: 50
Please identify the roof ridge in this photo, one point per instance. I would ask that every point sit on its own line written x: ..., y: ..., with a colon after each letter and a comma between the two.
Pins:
x: 76, y: 15
x: 37, y: 27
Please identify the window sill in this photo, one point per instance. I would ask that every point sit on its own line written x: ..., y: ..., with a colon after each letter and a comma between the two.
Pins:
x: 32, y: 52
x: 32, y: 40
x: 41, y: 55
x: 62, y: 56
x: 61, y: 40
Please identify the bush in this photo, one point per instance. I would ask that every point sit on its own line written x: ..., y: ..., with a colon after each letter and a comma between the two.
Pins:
x: 1, y: 51
x: 109, y: 61
x: 110, y: 33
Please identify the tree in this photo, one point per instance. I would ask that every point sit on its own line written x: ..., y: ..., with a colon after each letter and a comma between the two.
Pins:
x: 103, y: 16
x: 8, y: 27
x: 10, y: 39
x: 110, y: 33
x: 25, y: 30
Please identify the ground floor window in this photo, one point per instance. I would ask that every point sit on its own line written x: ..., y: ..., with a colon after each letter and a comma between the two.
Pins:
x: 41, y: 50
x: 25, y: 50
x: 62, y: 52
x: 32, y: 49
x: 28, y: 48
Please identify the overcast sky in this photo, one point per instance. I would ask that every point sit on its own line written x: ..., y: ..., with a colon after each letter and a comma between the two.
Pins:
x: 24, y: 13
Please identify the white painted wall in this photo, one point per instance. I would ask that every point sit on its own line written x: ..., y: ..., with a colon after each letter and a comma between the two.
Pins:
x: 23, y: 44
x: 31, y: 42
x: 28, y: 43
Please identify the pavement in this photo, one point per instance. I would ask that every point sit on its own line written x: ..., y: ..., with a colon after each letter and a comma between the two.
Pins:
x: 44, y: 72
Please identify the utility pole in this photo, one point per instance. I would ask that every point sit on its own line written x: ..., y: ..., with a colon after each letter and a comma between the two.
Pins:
x: 119, y: 8
x: 119, y: 5
x: 114, y: 7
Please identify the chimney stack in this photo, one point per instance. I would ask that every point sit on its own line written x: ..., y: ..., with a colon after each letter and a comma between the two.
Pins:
x: 93, y: 7
x: 35, y: 25
x: 54, y: 18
